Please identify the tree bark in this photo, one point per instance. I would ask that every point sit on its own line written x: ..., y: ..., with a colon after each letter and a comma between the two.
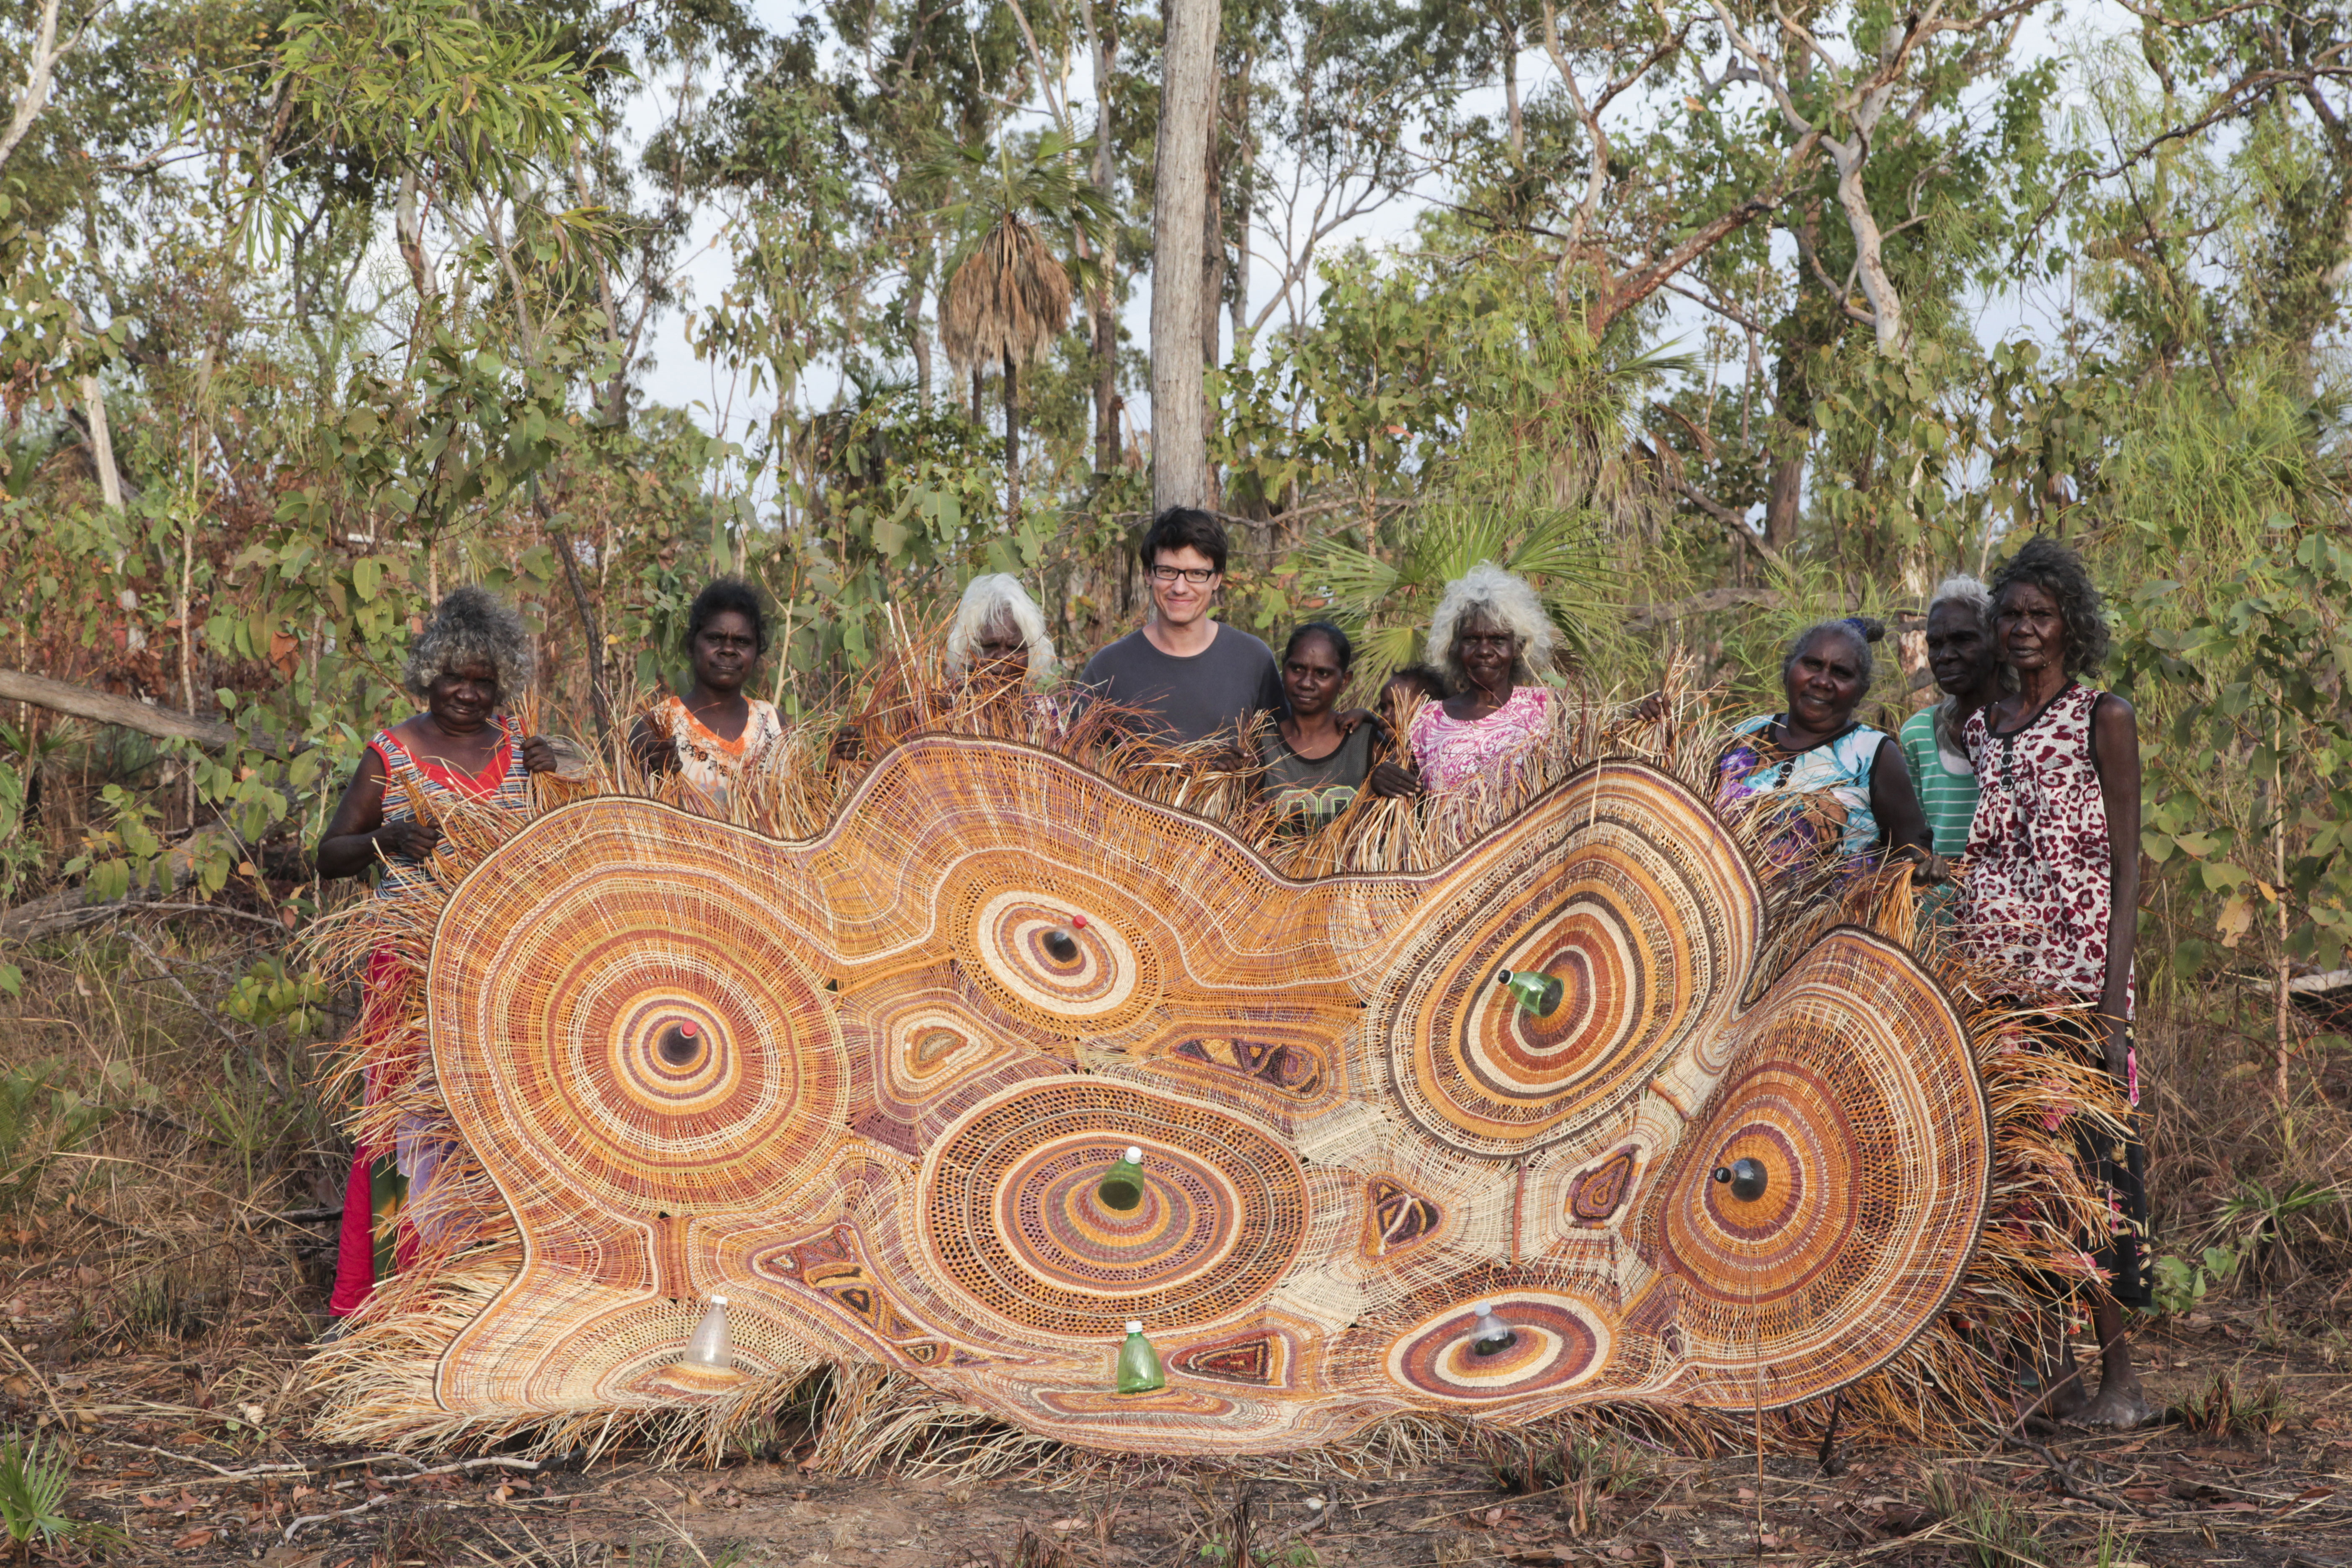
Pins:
x: 1179, y: 226
x: 1105, y: 179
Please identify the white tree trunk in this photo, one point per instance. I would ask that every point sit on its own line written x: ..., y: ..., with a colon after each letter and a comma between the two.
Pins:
x: 1869, y: 248
x: 1179, y: 425
x: 37, y: 72
x: 101, y: 442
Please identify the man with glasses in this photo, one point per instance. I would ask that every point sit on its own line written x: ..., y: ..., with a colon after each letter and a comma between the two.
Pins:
x: 1183, y: 673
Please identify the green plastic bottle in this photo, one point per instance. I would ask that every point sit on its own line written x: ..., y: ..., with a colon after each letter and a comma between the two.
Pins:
x: 1121, y: 1186
x: 1138, y: 1363
x: 1537, y: 992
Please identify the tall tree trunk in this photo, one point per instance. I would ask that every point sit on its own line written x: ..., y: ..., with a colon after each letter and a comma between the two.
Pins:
x: 1011, y: 442
x: 977, y: 416
x: 1105, y: 178
x: 1179, y: 229
x: 1245, y: 167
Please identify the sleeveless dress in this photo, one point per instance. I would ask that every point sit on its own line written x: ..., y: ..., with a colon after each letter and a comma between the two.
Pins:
x: 706, y: 760
x: 384, y: 1213
x: 1455, y: 753
x: 2034, y: 912
x: 1816, y: 801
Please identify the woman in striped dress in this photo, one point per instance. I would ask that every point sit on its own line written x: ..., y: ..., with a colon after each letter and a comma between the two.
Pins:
x: 472, y: 655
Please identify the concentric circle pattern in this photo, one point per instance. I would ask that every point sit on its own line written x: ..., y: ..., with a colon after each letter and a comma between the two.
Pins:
x: 1057, y: 959
x: 1851, y: 1087
x: 1645, y: 914
x: 1010, y: 1208
x: 1558, y: 1342
x: 668, y: 1054
x: 1793, y: 1121
x: 869, y: 1086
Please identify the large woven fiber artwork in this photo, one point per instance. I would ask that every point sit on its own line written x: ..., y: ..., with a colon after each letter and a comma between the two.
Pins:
x: 866, y: 1083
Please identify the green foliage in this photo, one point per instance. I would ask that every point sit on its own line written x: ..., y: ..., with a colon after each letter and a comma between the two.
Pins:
x: 39, y: 1120
x: 33, y: 1480
x: 2181, y: 1283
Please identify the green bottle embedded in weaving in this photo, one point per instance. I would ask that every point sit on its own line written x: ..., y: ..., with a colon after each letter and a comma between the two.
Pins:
x: 1138, y: 1363
x: 1121, y: 1186
x: 1537, y: 992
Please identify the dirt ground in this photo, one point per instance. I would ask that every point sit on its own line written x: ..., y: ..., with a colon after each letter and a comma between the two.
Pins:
x: 195, y: 1453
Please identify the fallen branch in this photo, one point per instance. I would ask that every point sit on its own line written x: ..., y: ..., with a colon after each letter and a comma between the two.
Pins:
x: 40, y: 1383
x: 296, y: 1527
x: 131, y: 713
x: 222, y: 1471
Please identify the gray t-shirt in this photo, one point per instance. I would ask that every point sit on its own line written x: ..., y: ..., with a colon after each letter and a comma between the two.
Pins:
x: 1192, y: 697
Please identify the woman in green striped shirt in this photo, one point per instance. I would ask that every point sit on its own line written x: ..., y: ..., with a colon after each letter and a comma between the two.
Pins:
x: 1961, y: 654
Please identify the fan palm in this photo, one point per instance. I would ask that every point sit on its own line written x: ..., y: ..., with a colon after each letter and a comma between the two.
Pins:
x: 1008, y: 294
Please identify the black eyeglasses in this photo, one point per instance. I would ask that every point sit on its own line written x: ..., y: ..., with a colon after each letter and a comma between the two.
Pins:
x: 1199, y: 576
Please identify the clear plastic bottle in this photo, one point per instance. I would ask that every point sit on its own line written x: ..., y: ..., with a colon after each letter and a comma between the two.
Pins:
x: 1121, y: 1185
x: 1537, y: 992
x: 1138, y: 1363
x: 709, y: 1346
x: 1490, y: 1335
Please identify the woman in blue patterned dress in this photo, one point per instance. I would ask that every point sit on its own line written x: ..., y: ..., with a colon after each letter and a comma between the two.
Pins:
x: 1833, y: 791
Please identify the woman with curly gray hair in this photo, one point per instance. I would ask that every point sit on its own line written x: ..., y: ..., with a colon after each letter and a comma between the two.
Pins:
x: 472, y: 655
x: 1491, y: 636
x: 2050, y: 909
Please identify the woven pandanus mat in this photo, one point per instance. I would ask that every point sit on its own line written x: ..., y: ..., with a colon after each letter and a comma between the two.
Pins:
x: 865, y: 1086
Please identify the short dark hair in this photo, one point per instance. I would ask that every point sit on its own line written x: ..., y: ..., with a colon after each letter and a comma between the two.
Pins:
x: 2058, y: 572
x: 1859, y: 630
x: 1329, y: 633
x: 723, y: 593
x: 1428, y: 676
x: 1179, y: 526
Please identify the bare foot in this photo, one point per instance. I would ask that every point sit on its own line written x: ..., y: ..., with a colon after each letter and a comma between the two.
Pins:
x: 2118, y: 1407
x: 2067, y: 1393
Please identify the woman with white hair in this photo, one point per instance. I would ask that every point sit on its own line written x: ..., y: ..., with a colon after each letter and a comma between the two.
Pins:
x: 472, y: 658
x: 998, y: 636
x: 1490, y: 635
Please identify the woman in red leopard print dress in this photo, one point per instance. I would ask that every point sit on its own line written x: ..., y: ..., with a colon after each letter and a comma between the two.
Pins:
x: 2051, y: 899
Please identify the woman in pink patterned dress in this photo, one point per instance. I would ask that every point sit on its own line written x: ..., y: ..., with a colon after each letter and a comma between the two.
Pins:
x: 2052, y: 900
x: 1490, y: 635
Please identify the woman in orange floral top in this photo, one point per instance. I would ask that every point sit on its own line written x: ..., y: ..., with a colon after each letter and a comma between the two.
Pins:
x: 714, y: 732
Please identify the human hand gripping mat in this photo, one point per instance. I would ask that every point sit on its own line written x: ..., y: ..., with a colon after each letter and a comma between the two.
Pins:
x: 867, y: 1087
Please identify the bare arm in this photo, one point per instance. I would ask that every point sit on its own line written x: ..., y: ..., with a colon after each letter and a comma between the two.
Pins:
x: 1896, y: 804
x: 356, y: 832
x: 653, y: 749
x: 2115, y: 729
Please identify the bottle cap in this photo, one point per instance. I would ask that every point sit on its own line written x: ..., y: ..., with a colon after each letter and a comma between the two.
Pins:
x: 1134, y: 1155
x: 1134, y: 1327
x: 1484, y: 1309
x: 718, y: 1300
x: 1502, y: 977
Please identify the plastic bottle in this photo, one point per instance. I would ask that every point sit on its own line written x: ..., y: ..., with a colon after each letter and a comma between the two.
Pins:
x: 1121, y: 1185
x: 709, y: 1346
x: 1490, y: 1335
x: 1537, y: 992
x: 1138, y: 1363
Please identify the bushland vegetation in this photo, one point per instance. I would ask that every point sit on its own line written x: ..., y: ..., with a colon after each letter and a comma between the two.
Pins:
x: 1712, y: 317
